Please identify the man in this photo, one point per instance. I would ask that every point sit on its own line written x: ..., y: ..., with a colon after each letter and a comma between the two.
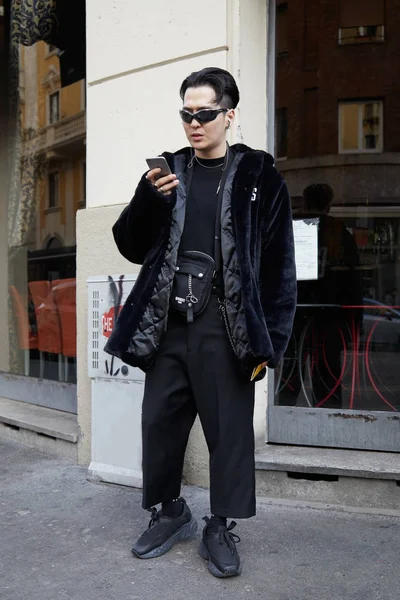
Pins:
x: 214, y: 300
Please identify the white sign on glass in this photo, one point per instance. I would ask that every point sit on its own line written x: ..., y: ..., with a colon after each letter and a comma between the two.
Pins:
x: 306, y: 248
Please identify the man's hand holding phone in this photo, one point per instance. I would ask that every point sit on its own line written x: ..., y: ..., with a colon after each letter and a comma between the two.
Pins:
x: 160, y: 175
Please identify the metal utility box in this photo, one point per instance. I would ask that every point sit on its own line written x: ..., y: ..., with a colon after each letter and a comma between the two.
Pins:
x: 107, y: 294
x: 117, y: 388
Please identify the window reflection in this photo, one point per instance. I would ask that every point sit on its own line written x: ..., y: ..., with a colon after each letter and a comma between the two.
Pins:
x: 361, y: 34
x: 349, y: 126
x: 339, y: 107
x: 47, y: 187
x: 360, y: 126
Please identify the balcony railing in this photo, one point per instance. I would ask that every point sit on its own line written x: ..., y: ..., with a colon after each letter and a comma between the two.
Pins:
x: 63, y: 132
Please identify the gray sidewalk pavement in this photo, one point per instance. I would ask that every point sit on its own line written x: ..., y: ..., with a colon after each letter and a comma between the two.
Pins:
x: 62, y: 537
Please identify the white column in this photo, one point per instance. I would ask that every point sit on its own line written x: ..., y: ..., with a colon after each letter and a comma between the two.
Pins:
x: 247, y: 61
x: 123, y: 76
x: 130, y: 80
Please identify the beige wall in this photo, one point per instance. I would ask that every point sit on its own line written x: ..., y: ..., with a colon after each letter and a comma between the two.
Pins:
x: 137, y: 59
x: 59, y: 221
x: 29, y: 108
x: 37, y: 63
x: 70, y: 96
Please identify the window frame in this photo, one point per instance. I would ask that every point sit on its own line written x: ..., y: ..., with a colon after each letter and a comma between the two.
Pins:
x: 284, y: 111
x: 83, y: 99
x: 360, y: 149
x: 82, y: 203
x: 56, y: 204
x: 282, y: 9
x: 365, y: 39
x: 57, y: 94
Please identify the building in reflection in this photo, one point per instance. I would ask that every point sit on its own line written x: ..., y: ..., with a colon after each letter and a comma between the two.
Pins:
x: 338, y: 120
x: 54, y: 129
x: 338, y: 128
x: 45, y: 191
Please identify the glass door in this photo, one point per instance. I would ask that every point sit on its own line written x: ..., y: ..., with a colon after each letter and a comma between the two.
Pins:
x: 337, y: 131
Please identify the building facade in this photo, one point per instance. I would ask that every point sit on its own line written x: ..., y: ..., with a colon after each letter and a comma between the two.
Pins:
x: 319, y: 90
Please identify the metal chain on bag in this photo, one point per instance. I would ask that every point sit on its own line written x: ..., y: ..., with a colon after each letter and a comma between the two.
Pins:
x: 191, y: 298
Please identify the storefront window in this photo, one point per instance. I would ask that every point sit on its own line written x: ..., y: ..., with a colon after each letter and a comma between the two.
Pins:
x: 345, y: 349
x: 42, y: 182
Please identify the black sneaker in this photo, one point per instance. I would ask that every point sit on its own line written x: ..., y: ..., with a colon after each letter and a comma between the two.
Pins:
x: 219, y: 549
x: 163, y: 532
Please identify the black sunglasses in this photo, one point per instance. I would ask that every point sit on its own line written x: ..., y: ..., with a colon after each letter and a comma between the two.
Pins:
x: 202, y: 116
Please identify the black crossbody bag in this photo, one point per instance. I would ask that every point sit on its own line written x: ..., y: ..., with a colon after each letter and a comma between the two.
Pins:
x: 197, y: 272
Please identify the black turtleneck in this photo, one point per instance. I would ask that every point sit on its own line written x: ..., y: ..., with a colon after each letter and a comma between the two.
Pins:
x: 201, y: 206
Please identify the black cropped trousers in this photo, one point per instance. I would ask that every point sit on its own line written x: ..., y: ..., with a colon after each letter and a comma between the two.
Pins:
x: 196, y: 373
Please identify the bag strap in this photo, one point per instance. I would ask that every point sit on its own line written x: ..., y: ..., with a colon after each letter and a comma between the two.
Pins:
x: 217, y: 230
x: 189, y: 177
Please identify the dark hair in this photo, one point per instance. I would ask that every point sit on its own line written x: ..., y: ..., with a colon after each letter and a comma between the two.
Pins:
x: 222, y: 82
x: 318, y: 197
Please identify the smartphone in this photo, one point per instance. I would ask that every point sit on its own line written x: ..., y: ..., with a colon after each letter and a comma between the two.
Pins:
x: 159, y: 162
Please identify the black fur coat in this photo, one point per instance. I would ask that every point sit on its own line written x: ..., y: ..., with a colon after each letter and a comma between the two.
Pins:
x: 262, y: 233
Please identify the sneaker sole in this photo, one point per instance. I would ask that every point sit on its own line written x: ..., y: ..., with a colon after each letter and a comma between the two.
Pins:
x: 232, y: 572
x: 185, y: 532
